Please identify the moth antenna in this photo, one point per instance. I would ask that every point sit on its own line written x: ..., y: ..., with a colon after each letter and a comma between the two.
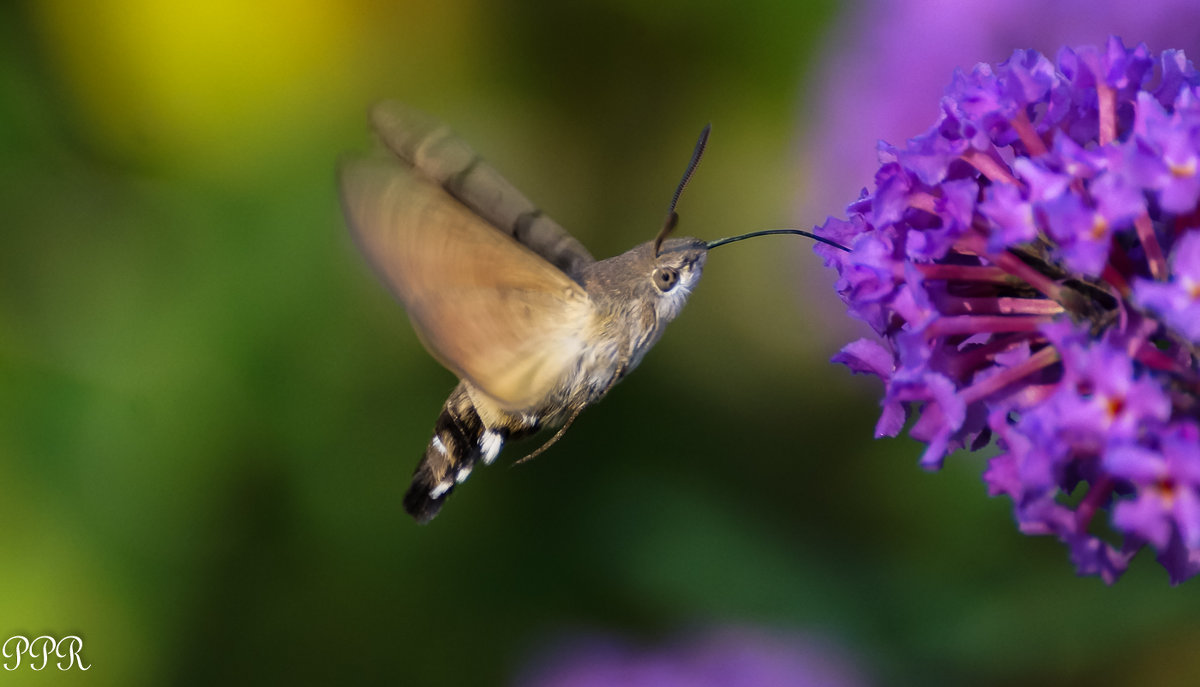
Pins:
x: 672, y: 216
x: 830, y: 242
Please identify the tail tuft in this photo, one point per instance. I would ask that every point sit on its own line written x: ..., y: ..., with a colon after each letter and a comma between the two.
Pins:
x: 459, y: 442
x: 421, y: 501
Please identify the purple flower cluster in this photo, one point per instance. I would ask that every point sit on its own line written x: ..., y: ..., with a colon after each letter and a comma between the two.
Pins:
x: 724, y: 657
x: 1032, y: 266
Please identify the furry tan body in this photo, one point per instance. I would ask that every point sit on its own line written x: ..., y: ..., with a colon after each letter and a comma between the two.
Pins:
x: 535, y: 327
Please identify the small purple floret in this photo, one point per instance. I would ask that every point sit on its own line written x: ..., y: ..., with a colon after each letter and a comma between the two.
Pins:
x: 1177, y: 302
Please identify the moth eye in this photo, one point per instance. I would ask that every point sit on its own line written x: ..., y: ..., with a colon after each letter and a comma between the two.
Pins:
x: 665, y: 278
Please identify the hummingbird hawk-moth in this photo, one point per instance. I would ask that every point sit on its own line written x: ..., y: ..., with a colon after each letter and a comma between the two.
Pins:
x: 535, y: 328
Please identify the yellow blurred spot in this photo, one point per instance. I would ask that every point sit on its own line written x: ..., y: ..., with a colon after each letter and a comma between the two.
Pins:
x: 1166, y: 491
x: 1113, y: 405
x: 1187, y: 169
x: 188, y: 82
x: 1192, y: 288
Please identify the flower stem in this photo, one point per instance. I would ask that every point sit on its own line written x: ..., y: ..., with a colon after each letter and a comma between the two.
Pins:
x: 1151, y: 357
x: 969, y: 360
x: 1015, y: 266
x: 999, y: 306
x: 1107, y: 106
x: 1032, y: 394
x: 923, y: 201
x: 968, y: 273
x: 1028, y: 135
x: 1096, y: 496
x: 976, y: 324
x: 1040, y: 360
x: 1115, y: 279
x: 989, y: 166
x: 1154, y: 254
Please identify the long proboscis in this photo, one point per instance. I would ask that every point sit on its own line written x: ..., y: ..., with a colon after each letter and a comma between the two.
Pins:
x: 830, y: 242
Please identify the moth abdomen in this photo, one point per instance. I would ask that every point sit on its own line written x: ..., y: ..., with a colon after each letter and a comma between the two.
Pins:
x: 460, y: 440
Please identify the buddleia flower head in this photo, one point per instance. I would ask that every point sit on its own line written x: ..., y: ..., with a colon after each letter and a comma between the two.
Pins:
x: 1031, y: 266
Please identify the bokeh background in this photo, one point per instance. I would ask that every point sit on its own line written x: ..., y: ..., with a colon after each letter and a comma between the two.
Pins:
x: 209, y: 408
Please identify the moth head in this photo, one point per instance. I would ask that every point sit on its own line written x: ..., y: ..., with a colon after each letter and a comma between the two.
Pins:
x: 672, y: 269
x: 650, y: 287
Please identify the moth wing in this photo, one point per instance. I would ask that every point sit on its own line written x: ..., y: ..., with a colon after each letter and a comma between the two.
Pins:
x: 488, y: 308
x: 434, y: 151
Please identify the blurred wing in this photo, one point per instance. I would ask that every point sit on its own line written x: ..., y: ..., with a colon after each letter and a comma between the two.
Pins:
x: 488, y: 308
x: 434, y: 151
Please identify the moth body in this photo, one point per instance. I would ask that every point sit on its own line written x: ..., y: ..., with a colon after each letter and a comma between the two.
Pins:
x: 534, y: 327
x: 630, y: 314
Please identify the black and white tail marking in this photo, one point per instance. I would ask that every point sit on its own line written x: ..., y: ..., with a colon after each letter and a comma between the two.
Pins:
x: 459, y: 441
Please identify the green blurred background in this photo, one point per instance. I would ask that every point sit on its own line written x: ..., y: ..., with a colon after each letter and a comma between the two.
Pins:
x: 209, y: 408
